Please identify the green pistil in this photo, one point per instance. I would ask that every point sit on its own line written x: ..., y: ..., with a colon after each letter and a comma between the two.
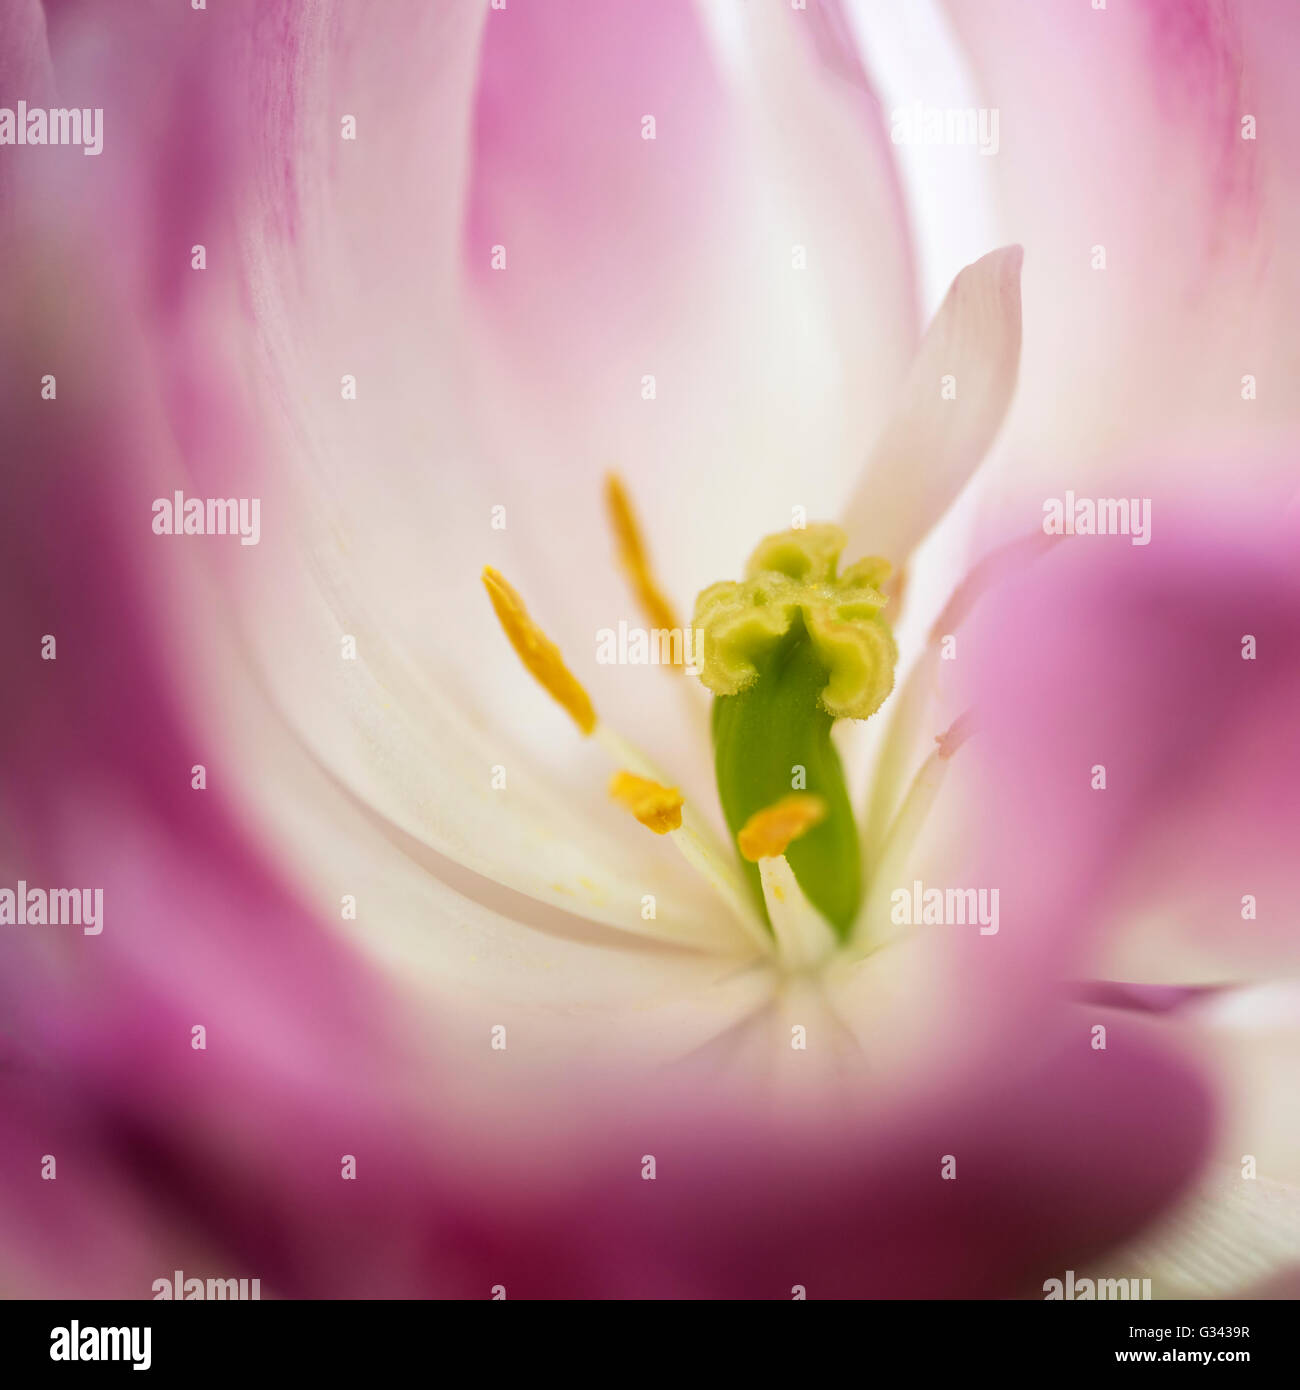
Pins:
x: 787, y: 651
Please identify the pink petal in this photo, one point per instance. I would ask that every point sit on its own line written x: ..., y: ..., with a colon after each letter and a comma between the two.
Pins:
x: 1131, y: 657
x: 1195, y: 221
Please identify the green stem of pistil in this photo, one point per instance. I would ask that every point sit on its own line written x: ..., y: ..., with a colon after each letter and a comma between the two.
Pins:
x: 763, y: 738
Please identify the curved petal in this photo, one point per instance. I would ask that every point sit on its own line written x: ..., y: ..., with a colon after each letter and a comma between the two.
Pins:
x: 1135, y: 706
x: 1251, y: 1037
x: 733, y: 1211
x: 553, y: 1202
x: 630, y: 258
x: 232, y: 369
x: 952, y: 403
x: 1229, y: 1236
x: 24, y: 61
x: 1158, y: 225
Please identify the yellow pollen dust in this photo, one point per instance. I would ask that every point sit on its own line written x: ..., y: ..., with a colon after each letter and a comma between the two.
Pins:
x: 657, y: 808
x: 632, y: 555
x: 769, y: 833
x: 538, y: 653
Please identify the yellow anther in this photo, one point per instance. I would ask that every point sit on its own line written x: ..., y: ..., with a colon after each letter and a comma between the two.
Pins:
x: 538, y: 653
x: 656, y: 807
x: 769, y: 832
x: 633, y: 557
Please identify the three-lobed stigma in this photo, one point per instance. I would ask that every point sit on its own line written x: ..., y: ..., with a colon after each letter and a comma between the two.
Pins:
x: 792, y: 588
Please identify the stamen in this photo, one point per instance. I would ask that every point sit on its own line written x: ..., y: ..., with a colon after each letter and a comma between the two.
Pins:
x: 996, y: 565
x: 911, y: 707
x: 803, y: 935
x: 768, y: 833
x: 869, y: 931
x: 693, y: 839
x: 955, y: 734
x: 691, y: 836
x: 539, y: 654
x: 634, y: 558
x: 657, y: 807
x: 873, y: 927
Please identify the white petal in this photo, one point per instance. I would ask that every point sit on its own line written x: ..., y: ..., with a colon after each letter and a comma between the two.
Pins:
x: 1158, y: 228
x: 932, y: 445
x: 1252, y: 1037
x: 381, y: 747
x: 1234, y: 1231
x: 1230, y: 1234
x: 475, y: 389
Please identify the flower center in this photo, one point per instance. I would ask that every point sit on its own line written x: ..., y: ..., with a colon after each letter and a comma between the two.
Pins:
x: 788, y: 650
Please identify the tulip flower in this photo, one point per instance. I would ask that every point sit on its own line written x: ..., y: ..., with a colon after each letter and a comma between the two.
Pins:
x: 412, y: 980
